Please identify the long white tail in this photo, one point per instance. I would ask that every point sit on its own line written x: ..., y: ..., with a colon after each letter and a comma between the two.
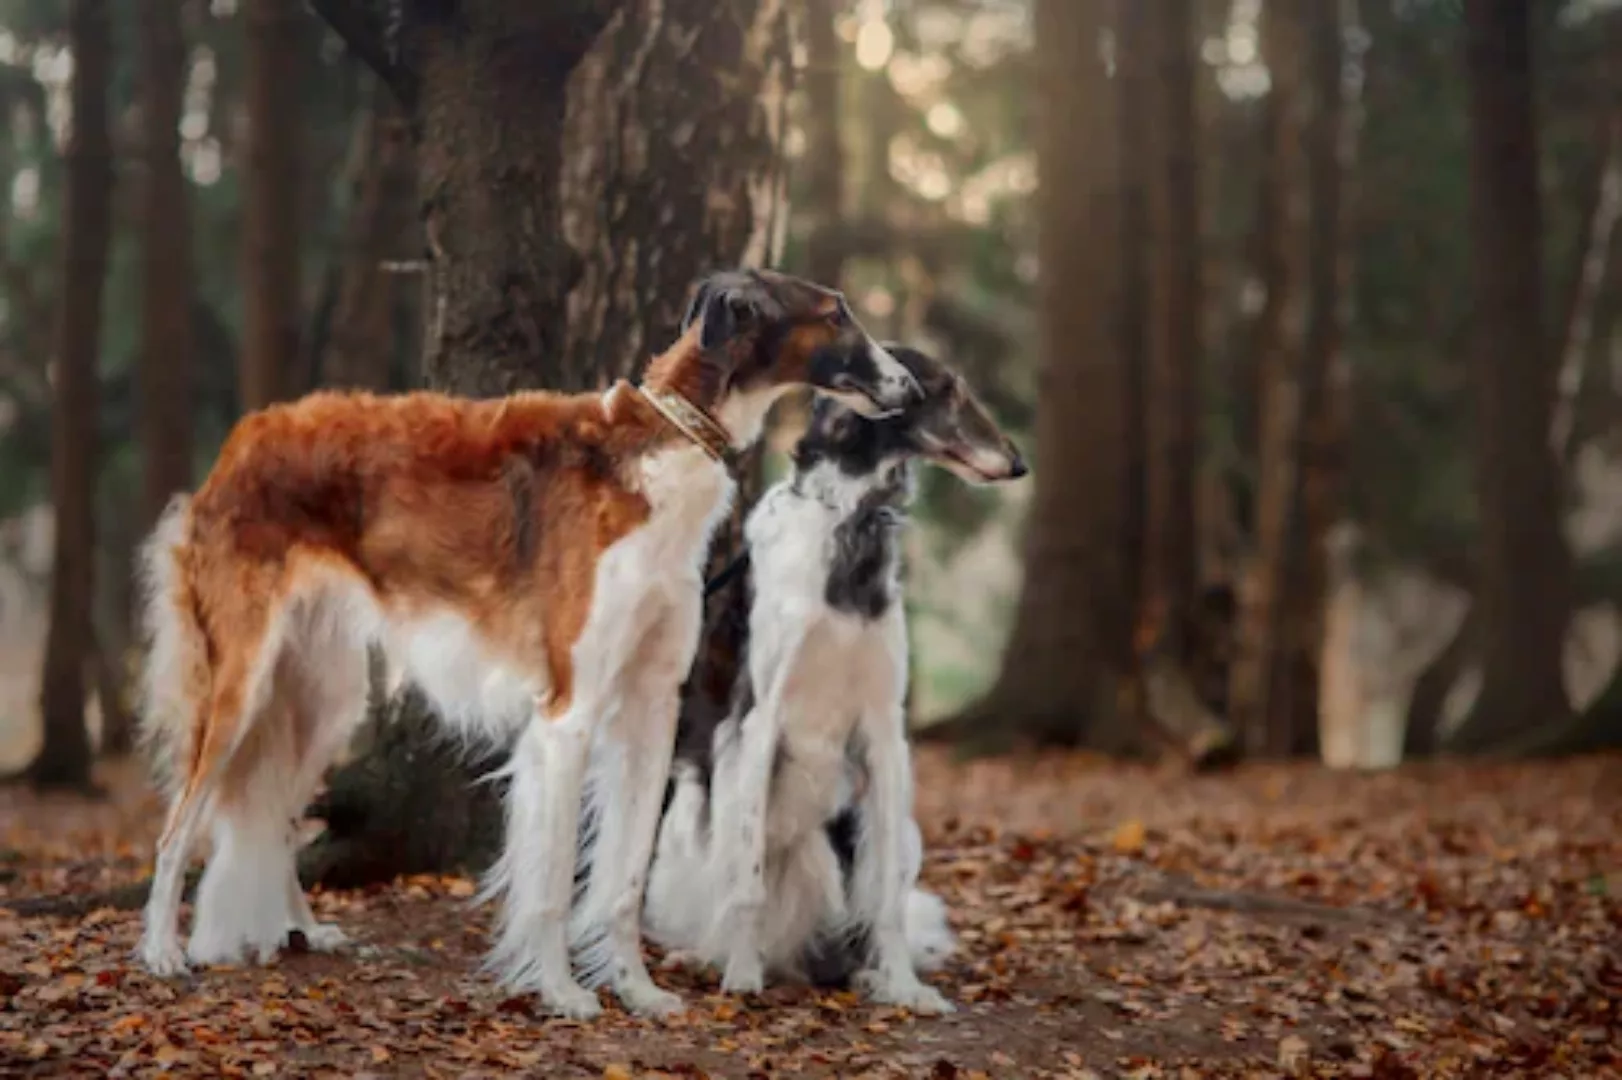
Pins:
x: 175, y: 680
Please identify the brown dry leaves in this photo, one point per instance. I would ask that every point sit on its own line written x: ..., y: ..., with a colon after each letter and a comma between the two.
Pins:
x: 1440, y: 921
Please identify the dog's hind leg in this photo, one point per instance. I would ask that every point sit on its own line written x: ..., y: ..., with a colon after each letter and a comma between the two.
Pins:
x: 882, y: 878
x: 244, y: 908
x: 240, y: 680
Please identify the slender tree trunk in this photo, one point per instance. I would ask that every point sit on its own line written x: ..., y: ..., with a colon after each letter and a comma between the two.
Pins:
x: 1281, y: 333
x: 1163, y: 266
x: 1525, y: 568
x: 564, y: 238
x: 381, y: 229
x: 1318, y: 501
x: 272, y: 312
x: 164, y: 361
x: 1069, y: 651
x: 1173, y: 430
x: 1138, y: 114
x: 64, y: 760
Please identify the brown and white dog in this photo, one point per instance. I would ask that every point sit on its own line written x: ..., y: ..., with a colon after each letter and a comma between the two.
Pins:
x: 532, y: 563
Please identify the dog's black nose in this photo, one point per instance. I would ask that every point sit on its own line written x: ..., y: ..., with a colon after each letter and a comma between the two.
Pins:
x: 1017, y: 468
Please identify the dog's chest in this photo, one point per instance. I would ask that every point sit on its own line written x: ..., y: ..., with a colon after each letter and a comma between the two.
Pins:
x: 688, y: 494
x: 840, y: 661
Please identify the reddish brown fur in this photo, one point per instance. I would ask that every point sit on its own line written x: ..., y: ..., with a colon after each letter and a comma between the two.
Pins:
x: 498, y: 508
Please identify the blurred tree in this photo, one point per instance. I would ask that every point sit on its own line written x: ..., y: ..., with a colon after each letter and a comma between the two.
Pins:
x: 164, y: 359
x: 1174, y: 353
x: 1069, y: 651
x: 1137, y: 112
x: 1281, y: 333
x: 272, y: 307
x: 617, y: 150
x: 1318, y: 502
x: 1160, y: 144
x: 64, y: 760
x: 1525, y: 576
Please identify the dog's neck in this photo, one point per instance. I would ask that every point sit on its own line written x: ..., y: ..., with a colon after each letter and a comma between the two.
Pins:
x: 890, y: 485
x: 685, y: 380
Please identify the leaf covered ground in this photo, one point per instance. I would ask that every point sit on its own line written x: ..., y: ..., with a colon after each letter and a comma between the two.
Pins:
x: 1444, y: 920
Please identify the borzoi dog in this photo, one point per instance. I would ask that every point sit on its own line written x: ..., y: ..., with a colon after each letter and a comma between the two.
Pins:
x: 532, y: 563
x: 788, y: 844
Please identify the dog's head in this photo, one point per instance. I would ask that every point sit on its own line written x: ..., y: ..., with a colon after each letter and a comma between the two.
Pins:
x: 760, y: 330
x: 949, y: 427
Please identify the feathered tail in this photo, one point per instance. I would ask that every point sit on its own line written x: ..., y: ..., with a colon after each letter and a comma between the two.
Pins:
x: 175, y: 679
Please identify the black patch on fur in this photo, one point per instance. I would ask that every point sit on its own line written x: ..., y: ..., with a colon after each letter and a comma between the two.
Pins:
x: 861, y: 573
x: 853, y: 443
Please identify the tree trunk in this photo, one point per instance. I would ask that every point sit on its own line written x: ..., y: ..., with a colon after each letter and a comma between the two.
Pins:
x: 1137, y: 114
x: 272, y: 313
x: 824, y: 158
x: 1173, y: 414
x: 1525, y: 568
x: 64, y: 760
x: 164, y: 358
x: 1069, y: 652
x: 1281, y: 334
x: 1164, y: 356
x: 381, y: 229
x: 1318, y: 500
x: 648, y: 201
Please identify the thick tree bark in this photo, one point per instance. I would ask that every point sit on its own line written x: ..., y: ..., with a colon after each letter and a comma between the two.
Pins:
x: 1524, y: 594
x: 546, y: 274
x: 1281, y: 333
x: 64, y: 760
x: 272, y: 313
x: 381, y: 230
x: 1069, y: 651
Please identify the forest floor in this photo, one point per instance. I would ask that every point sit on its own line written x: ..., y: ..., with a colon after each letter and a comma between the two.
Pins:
x: 1435, y: 921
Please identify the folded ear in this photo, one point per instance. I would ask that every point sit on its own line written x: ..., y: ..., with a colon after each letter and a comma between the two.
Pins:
x: 729, y: 305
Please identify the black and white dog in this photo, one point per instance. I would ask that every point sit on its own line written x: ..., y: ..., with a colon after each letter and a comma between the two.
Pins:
x: 788, y: 843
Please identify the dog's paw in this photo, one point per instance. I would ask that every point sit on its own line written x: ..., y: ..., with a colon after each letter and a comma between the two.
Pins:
x: 645, y: 999
x: 912, y: 994
x: 681, y: 960
x: 744, y: 975
x: 572, y: 1002
x: 163, y: 957
x: 324, y: 937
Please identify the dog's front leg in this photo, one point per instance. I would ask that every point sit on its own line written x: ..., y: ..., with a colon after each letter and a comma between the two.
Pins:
x: 608, y: 923
x: 536, y: 869
x: 882, y: 877
x: 738, y: 831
